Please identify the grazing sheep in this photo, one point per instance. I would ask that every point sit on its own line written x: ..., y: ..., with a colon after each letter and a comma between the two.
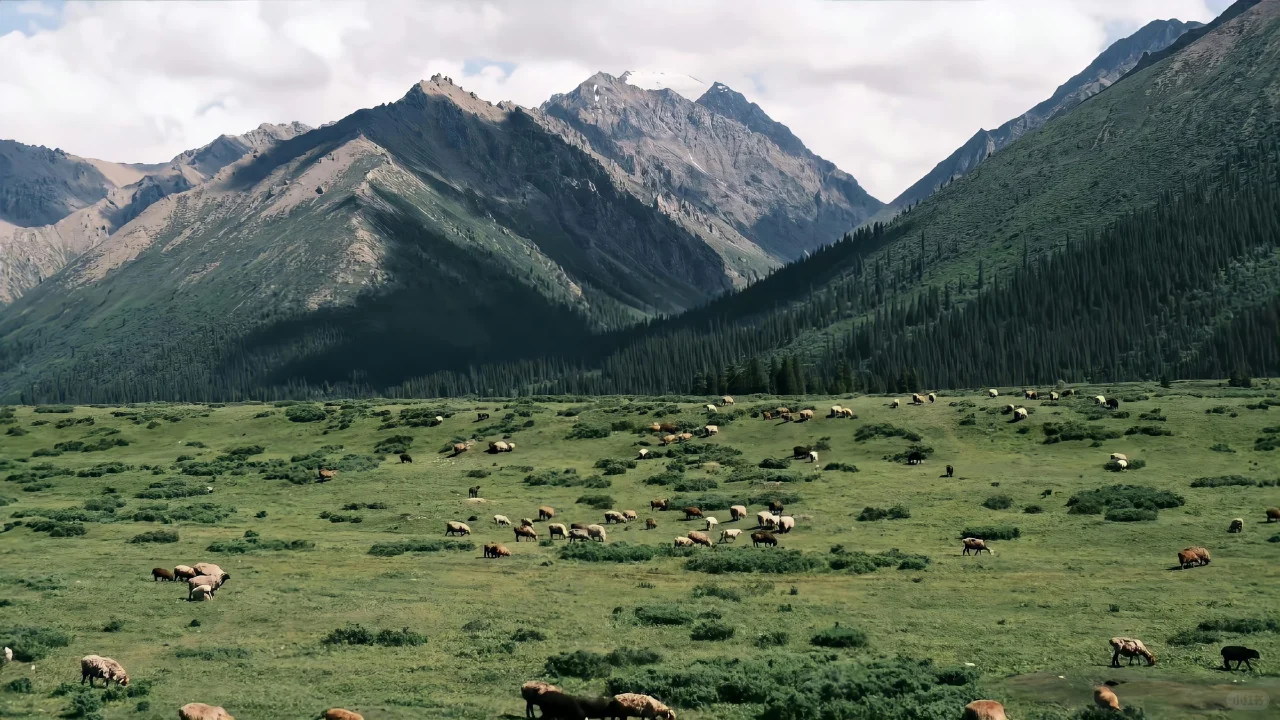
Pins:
x: 1273, y: 515
x: 497, y: 446
x: 1193, y: 556
x: 578, y: 526
x: 456, y: 528
x: 1105, y: 698
x: 578, y: 534
x: 711, y: 523
x: 786, y: 524
x: 685, y: 437
x: 459, y: 448
x: 692, y: 512
x: 917, y: 399
x: 342, y: 713
x: 1054, y: 396
x: 950, y: 471
x: 847, y: 413
x: 993, y: 393
x: 209, y: 581
x: 96, y: 666
x: 775, y: 506
x: 404, y: 458
x: 557, y: 530
x: 526, y: 522
x: 766, y: 519
x: 644, y: 452
x: 613, y: 516
x: 1099, y: 400
x: 668, y: 427
x: 655, y: 427
x: 683, y: 542
x: 159, y: 574
x: 532, y: 691
x: 1113, y: 404
x: 668, y: 439
x: 1130, y: 648
x: 184, y: 572
x: 933, y: 397
x: 597, y: 533
x: 1237, y: 525
x: 628, y: 705
x: 711, y: 408
x: 785, y: 417
x: 650, y: 523
x: 1019, y: 414
x: 699, y: 538
x: 326, y: 475
x: 473, y: 492
x: 658, y: 504
x: 200, y: 593
x: 207, y: 569
x: 782, y: 411
x: 711, y: 430
x: 836, y: 411
x: 977, y: 545
x: 546, y: 512
x: 496, y: 550
x: 730, y: 535
x: 1030, y: 395
x: 813, y: 456
x: 726, y: 400
x: 806, y: 415
x: 1122, y: 464
x: 1240, y: 654
x: 1119, y: 456
x: 501, y: 520
x: 737, y: 512
x: 766, y: 415
x: 1069, y: 392
x: 894, y: 405
x: 629, y: 515
x: 984, y: 710
x: 200, y: 711
x: 1006, y: 410
x: 763, y: 538
x: 8, y: 654
x: 527, y: 532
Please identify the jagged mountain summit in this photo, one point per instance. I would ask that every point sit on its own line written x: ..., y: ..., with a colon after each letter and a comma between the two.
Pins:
x: 690, y: 88
x: 720, y: 166
x: 1114, y: 62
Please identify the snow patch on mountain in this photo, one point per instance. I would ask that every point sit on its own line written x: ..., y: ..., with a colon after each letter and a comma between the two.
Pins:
x: 690, y: 87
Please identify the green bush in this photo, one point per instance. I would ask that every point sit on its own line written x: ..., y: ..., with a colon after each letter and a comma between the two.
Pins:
x: 1223, y: 481
x: 1152, y: 430
x: 991, y: 532
x: 695, y: 485
x: 599, y: 502
x: 839, y: 637
x: 618, y: 552
x: 155, y: 536
x: 393, y: 445
x: 54, y: 409
x: 716, y: 591
x: 711, y: 630
x: 772, y: 639
x: 578, y: 664
x: 113, y: 625
x: 744, y: 560
x: 1033, y: 509
x: 663, y: 615
x: 305, y: 413
x: 1073, y: 430
x: 614, y: 466
x: 1119, y: 497
x: 1221, y: 447
x: 20, y: 686
x: 1130, y: 514
x: 884, y: 430
x: 84, y: 704
x: 31, y: 643
x: 860, y: 563
x: 359, y: 635
x: 998, y: 502
x: 1241, y: 626
x: 842, y: 467
x: 245, y: 451
x: 1195, y: 637
x: 775, y: 463
x: 240, y: 546
x: 392, y: 549
x: 872, y: 514
x: 588, y: 431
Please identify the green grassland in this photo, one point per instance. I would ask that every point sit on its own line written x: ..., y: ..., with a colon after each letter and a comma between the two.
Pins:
x: 1033, y: 618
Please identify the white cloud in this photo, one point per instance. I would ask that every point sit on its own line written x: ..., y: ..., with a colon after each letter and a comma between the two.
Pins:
x: 884, y: 89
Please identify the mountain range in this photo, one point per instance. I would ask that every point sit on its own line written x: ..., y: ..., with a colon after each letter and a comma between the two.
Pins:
x: 622, y: 237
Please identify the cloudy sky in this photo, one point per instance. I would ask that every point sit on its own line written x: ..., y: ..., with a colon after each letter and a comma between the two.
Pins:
x: 884, y: 89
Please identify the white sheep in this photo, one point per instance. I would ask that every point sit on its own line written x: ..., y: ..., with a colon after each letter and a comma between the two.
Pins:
x: 993, y: 393
x: 711, y: 430
x: 628, y: 705
x: 766, y: 519
x: 786, y: 524
x: 813, y: 456
x: 1119, y: 456
x: 737, y: 512
x: 683, y: 542
x: 729, y: 535
x: 711, y: 408
x: 596, y: 532
x: 200, y: 593
x: 1099, y: 400
x: 711, y: 523
x: 454, y: 527
x: 200, y: 711
x: 501, y: 520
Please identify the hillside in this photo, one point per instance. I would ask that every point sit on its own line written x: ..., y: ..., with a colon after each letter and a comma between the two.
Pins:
x: 353, y: 580
x: 719, y: 166
x: 39, y: 186
x: 425, y: 234
x: 1114, y: 62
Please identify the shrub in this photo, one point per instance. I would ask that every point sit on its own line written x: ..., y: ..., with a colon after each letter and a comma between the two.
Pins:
x: 842, y: 467
x: 1221, y: 447
x: 614, y: 466
x: 1130, y: 514
x: 860, y: 563
x: 712, y: 590
x: 588, y: 431
x: 599, y: 502
x: 1152, y: 430
x: 1153, y: 415
x: 1195, y: 637
x: 84, y: 704
x: 357, y: 463
x: 695, y: 484
x: 113, y: 625
x: 915, y: 562
x: 663, y: 615
x: 897, y: 512
x: 20, y: 686
x: 155, y: 536
x: 623, y: 657
x: 775, y: 463
x: 712, y: 630
x: 773, y: 639
x: 1241, y: 626
x: 393, y: 445
x: 1223, y: 481
x: 245, y: 451
x: 1072, y: 430
x: 839, y: 637
x: 305, y: 413
x: 528, y: 635
x: 619, y: 552
x: 241, y: 546
x: 359, y: 635
x: 1033, y: 509
x: 30, y: 643
x: 54, y: 409
x: 392, y: 549
x: 579, y: 664
x: 1095, y: 502
x: 998, y: 502
x: 211, y: 654
x: 991, y: 532
x: 884, y: 430
x: 745, y: 561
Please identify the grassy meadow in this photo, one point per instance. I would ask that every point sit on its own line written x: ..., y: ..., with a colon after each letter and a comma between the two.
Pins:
x: 1027, y: 625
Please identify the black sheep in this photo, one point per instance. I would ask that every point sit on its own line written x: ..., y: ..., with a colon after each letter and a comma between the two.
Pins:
x: 1240, y: 654
x: 763, y: 538
x: 1113, y: 404
x: 404, y: 458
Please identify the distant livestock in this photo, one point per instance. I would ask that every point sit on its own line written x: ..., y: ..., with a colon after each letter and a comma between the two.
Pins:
x: 644, y: 452
x: 977, y: 545
x: 1105, y: 698
x: 546, y: 512
x: 710, y: 430
x: 650, y: 523
x: 685, y: 436
x: 200, y: 593
x: 993, y: 393
x: 667, y: 427
x: 836, y: 411
x: 1193, y: 556
x: 630, y: 515
x: 499, y: 446
x: 775, y: 506
x: 763, y: 538
x: 699, y: 538
x: 325, y: 475
x: 765, y: 519
x: 93, y: 667
x: 737, y: 512
x: 1030, y: 395
x: 786, y: 524
x: 1099, y: 400
x: 895, y: 404
x: 159, y: 574
x: 813, y: 456
x: 404, y: 458
x: 456, y: 528
x: 459, y: 448
x: 473, y: 492
x: 711, y: 523
x: 984, y: 710
x: 1119, y: 456
x: 933, y: 397
x: 1113, y: 404
x: 1131, y: 648
x: 950, y: 471
x: 711, y: 408
x: 557, y: 530
x: 203, y: 568
x: 501, y: 520
x: 1237, y: 525
x: 1019, y: 414
x: 917, y: 399
x: 730, y: 535
x: 1054, y: 396
x: 629, y: 705
x: 532, y: 692
x: 482, y: 416
x: 1239, y: 654
x: 692, y: 512
x: 766, y: 415
x: 341, y: 714
x: 200, y: 711
x: 683, y: 542
x: 496, y: 550
x: 847, y: 413
x: 184, y: 572
x: 578, y: 534
x: 658, y: 504
x: 1006, y: 409
x: 597, y: 533
x: 613, y: 516
x: 655, y: 427
x: 668, y: 439
x: 526, y: 532
x: 726, y: 400
x: 1273, y: 515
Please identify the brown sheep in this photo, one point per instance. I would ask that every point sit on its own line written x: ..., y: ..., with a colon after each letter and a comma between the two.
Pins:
x: 1130, y: 648
x: 983, y: 710
x: 836, y: 411
x: 342, y: 714
x: 917, y: 399
x: 456, y: 528
x: 1113, y: 404
x: 205, y: 581
x: 527, y: 532
x: 667, y: 427
x: 96, y: 666
x: 1273, y: 515
x: 526, y: 522
x: 806, y: 415
x: 655, y: 427
x: 459, y: 448
x: 1104, y: 698
x: 692, y: 512
x: 763, y: 538
x: 405, y: 458
x: 496, y: 550
x: 629, y: 705
x: 766, y: 415
x: 1193, y: 556
x: 557, y: 530
x: 658, y: 504
x: 326, y: 475
x: 683, y: 542
x: 184, y: 572
x: 613, y: 516
x: 685, y: 436
x: 546, y: 512
x: 775, y: 506
x: 532, y: 692
x: 650, y: 523
x: 977, y: 545
x: 578, y: 526
x: 1237, y: 525
x: 782, y: 411
x: 699, y: 538
x: 200, y: 593
x: 498, y: 446
x: 847, y: 413
x: 1030, y: 395
x: 737, y: 512
x: 597, y: 533
x: 578, y: 534
x: 630, y: 515
x: 159, y: 574
x: 668, y: 439
x: 200, y: 711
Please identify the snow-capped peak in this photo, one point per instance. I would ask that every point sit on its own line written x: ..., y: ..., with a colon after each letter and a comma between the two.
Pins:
x: 690, y: 87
